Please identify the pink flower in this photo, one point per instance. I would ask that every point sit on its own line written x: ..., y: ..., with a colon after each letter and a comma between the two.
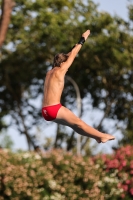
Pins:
x: 128, y: 152
x: 119, y: 185
x: 131, y: 191
x: 120, y: 168
x: 128, y: 182
x: 122, y: 196
x: 124, y: 163
x: 125, y: 187
x: 131, y: 166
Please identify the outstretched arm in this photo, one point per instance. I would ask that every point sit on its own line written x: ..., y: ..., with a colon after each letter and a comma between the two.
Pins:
x: 75, y: 51
x: 81, y: 41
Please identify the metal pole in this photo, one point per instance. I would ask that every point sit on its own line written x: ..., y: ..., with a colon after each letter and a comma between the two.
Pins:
x: 79, y: 110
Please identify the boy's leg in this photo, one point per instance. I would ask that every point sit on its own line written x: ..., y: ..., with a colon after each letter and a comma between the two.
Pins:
x: 66, y: 117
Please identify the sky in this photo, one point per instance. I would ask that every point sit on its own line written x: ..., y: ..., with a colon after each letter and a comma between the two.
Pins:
x: 114, y: 7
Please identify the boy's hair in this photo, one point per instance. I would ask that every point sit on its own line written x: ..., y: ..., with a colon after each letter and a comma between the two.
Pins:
x: 59, y: 58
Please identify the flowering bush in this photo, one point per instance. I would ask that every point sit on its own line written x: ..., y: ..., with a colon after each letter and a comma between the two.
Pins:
x: 56, y: 176
x: 120, y: 167
x: 62, y: 176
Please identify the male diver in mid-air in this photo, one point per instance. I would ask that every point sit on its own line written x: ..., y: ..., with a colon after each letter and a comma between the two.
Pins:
x: 53, y: 86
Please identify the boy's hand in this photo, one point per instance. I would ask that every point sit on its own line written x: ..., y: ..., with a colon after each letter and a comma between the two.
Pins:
x: 86, y: 34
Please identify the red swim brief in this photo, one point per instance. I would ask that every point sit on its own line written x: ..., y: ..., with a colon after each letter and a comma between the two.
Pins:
x: 50, y: 112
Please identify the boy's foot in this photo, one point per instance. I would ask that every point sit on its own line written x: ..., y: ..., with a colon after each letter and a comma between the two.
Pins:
x: 106, y: 138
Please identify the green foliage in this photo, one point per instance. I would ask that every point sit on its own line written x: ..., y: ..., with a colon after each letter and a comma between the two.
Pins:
x: 6, y: 141
x: 130, y: 12
x: 38, y: 30
x: 58, y: 175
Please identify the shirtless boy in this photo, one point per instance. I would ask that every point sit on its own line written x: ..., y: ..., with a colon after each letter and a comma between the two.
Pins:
x: 54, y: 83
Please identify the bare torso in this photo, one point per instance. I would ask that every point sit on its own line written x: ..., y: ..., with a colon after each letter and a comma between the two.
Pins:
x: 53, y: 86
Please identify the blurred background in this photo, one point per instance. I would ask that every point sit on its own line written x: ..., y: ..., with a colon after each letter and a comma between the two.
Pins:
x: 31, y: 33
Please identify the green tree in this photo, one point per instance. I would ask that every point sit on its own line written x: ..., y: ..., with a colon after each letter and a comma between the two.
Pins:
x: 127, y: 139
x: 38, y: 30
x: 6, y: 141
